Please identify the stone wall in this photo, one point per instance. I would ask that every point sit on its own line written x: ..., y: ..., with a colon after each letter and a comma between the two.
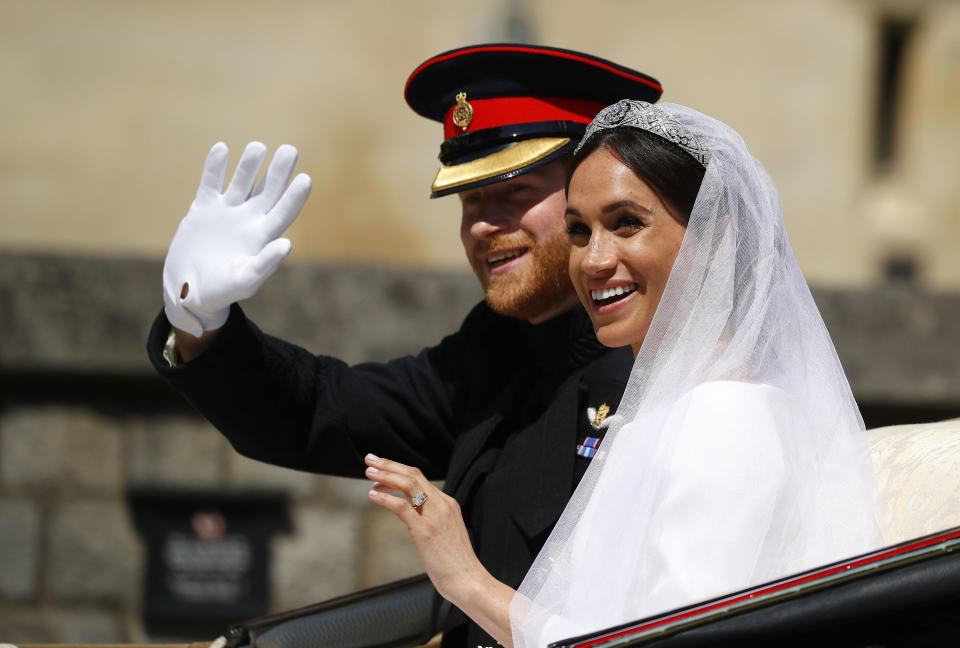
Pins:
x: 83, y: 419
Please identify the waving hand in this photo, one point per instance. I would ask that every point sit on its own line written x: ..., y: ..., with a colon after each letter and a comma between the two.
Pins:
x: 230, y: 241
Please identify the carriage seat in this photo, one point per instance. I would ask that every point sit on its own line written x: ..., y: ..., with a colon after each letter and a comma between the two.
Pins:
x: 918, y: 476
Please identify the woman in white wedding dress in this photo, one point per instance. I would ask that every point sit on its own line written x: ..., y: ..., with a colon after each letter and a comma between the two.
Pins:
x: 737, y: 454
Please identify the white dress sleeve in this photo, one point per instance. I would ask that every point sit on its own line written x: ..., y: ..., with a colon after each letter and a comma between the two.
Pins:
x: 718, y: 496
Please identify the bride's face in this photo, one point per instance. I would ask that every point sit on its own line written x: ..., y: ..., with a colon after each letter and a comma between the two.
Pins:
x: 624, y: 240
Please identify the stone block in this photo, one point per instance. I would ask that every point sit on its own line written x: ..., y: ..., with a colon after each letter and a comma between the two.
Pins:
x: 345, y: 492
x: 133, y: 628
x: 318, y: 561
x: 60, y: 447
x: 94, y: 552
x: 176, y: 451
x: 244, y: 472
x: 19, y: 544
x: 30, y: 449
x: 75, y: 312
x: 388, y: 552
x: 898, y: 346
x: 66, y: 625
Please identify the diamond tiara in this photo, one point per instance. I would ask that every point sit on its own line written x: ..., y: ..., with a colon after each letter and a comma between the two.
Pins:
x: 651, y: 118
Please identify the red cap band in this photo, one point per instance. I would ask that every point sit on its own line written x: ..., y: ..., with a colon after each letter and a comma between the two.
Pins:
x: 503, y: 111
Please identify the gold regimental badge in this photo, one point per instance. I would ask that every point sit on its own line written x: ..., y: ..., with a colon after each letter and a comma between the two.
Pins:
x: 463, y: 113
x: 598, y: 416
x: 602, y: 412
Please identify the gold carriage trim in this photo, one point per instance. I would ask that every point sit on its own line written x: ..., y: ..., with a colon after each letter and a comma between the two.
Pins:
x: 509, y: 159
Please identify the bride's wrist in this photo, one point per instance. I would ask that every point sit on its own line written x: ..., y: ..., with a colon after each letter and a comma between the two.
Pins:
x: 487, y: 601
x: 467, y: 586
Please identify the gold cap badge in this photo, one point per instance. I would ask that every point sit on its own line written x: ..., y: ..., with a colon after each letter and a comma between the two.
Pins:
x: 463, y: 113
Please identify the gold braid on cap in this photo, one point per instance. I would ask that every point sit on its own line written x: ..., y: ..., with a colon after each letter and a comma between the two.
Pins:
x: 653, y: 119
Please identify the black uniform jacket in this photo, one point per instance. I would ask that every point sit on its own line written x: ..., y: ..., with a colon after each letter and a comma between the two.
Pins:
x: 497, y: 410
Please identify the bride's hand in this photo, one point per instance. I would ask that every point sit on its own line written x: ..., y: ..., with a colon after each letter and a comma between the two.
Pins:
x: 435, y: 525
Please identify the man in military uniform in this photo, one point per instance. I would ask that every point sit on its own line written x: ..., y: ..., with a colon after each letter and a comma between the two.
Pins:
x: 508, y: 409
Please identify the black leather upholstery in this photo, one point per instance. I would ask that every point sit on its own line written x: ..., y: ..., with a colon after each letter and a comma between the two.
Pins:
x: 399, y: 614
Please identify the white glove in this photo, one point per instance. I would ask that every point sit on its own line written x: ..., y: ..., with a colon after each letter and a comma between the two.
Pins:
x: 229, y: 242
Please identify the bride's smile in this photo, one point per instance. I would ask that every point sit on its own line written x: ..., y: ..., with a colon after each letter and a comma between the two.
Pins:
x: 624, y: 240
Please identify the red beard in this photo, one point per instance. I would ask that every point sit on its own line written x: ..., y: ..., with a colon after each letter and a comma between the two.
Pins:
x: 529, y: 291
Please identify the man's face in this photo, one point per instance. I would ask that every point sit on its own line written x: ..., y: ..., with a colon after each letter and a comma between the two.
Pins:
x: 514, y: 236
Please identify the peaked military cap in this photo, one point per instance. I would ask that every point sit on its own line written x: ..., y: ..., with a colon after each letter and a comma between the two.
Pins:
x: 508, y: 108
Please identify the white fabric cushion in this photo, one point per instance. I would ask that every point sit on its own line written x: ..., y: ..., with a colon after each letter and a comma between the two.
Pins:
x: 918, y: 474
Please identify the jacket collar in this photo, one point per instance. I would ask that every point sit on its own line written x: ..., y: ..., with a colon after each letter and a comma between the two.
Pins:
x: 567, y: 339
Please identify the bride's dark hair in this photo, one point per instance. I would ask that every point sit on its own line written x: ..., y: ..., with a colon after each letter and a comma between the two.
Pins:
x: 672, y: 173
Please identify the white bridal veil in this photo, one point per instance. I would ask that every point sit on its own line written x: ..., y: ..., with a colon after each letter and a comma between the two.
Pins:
x: 738, y: 453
